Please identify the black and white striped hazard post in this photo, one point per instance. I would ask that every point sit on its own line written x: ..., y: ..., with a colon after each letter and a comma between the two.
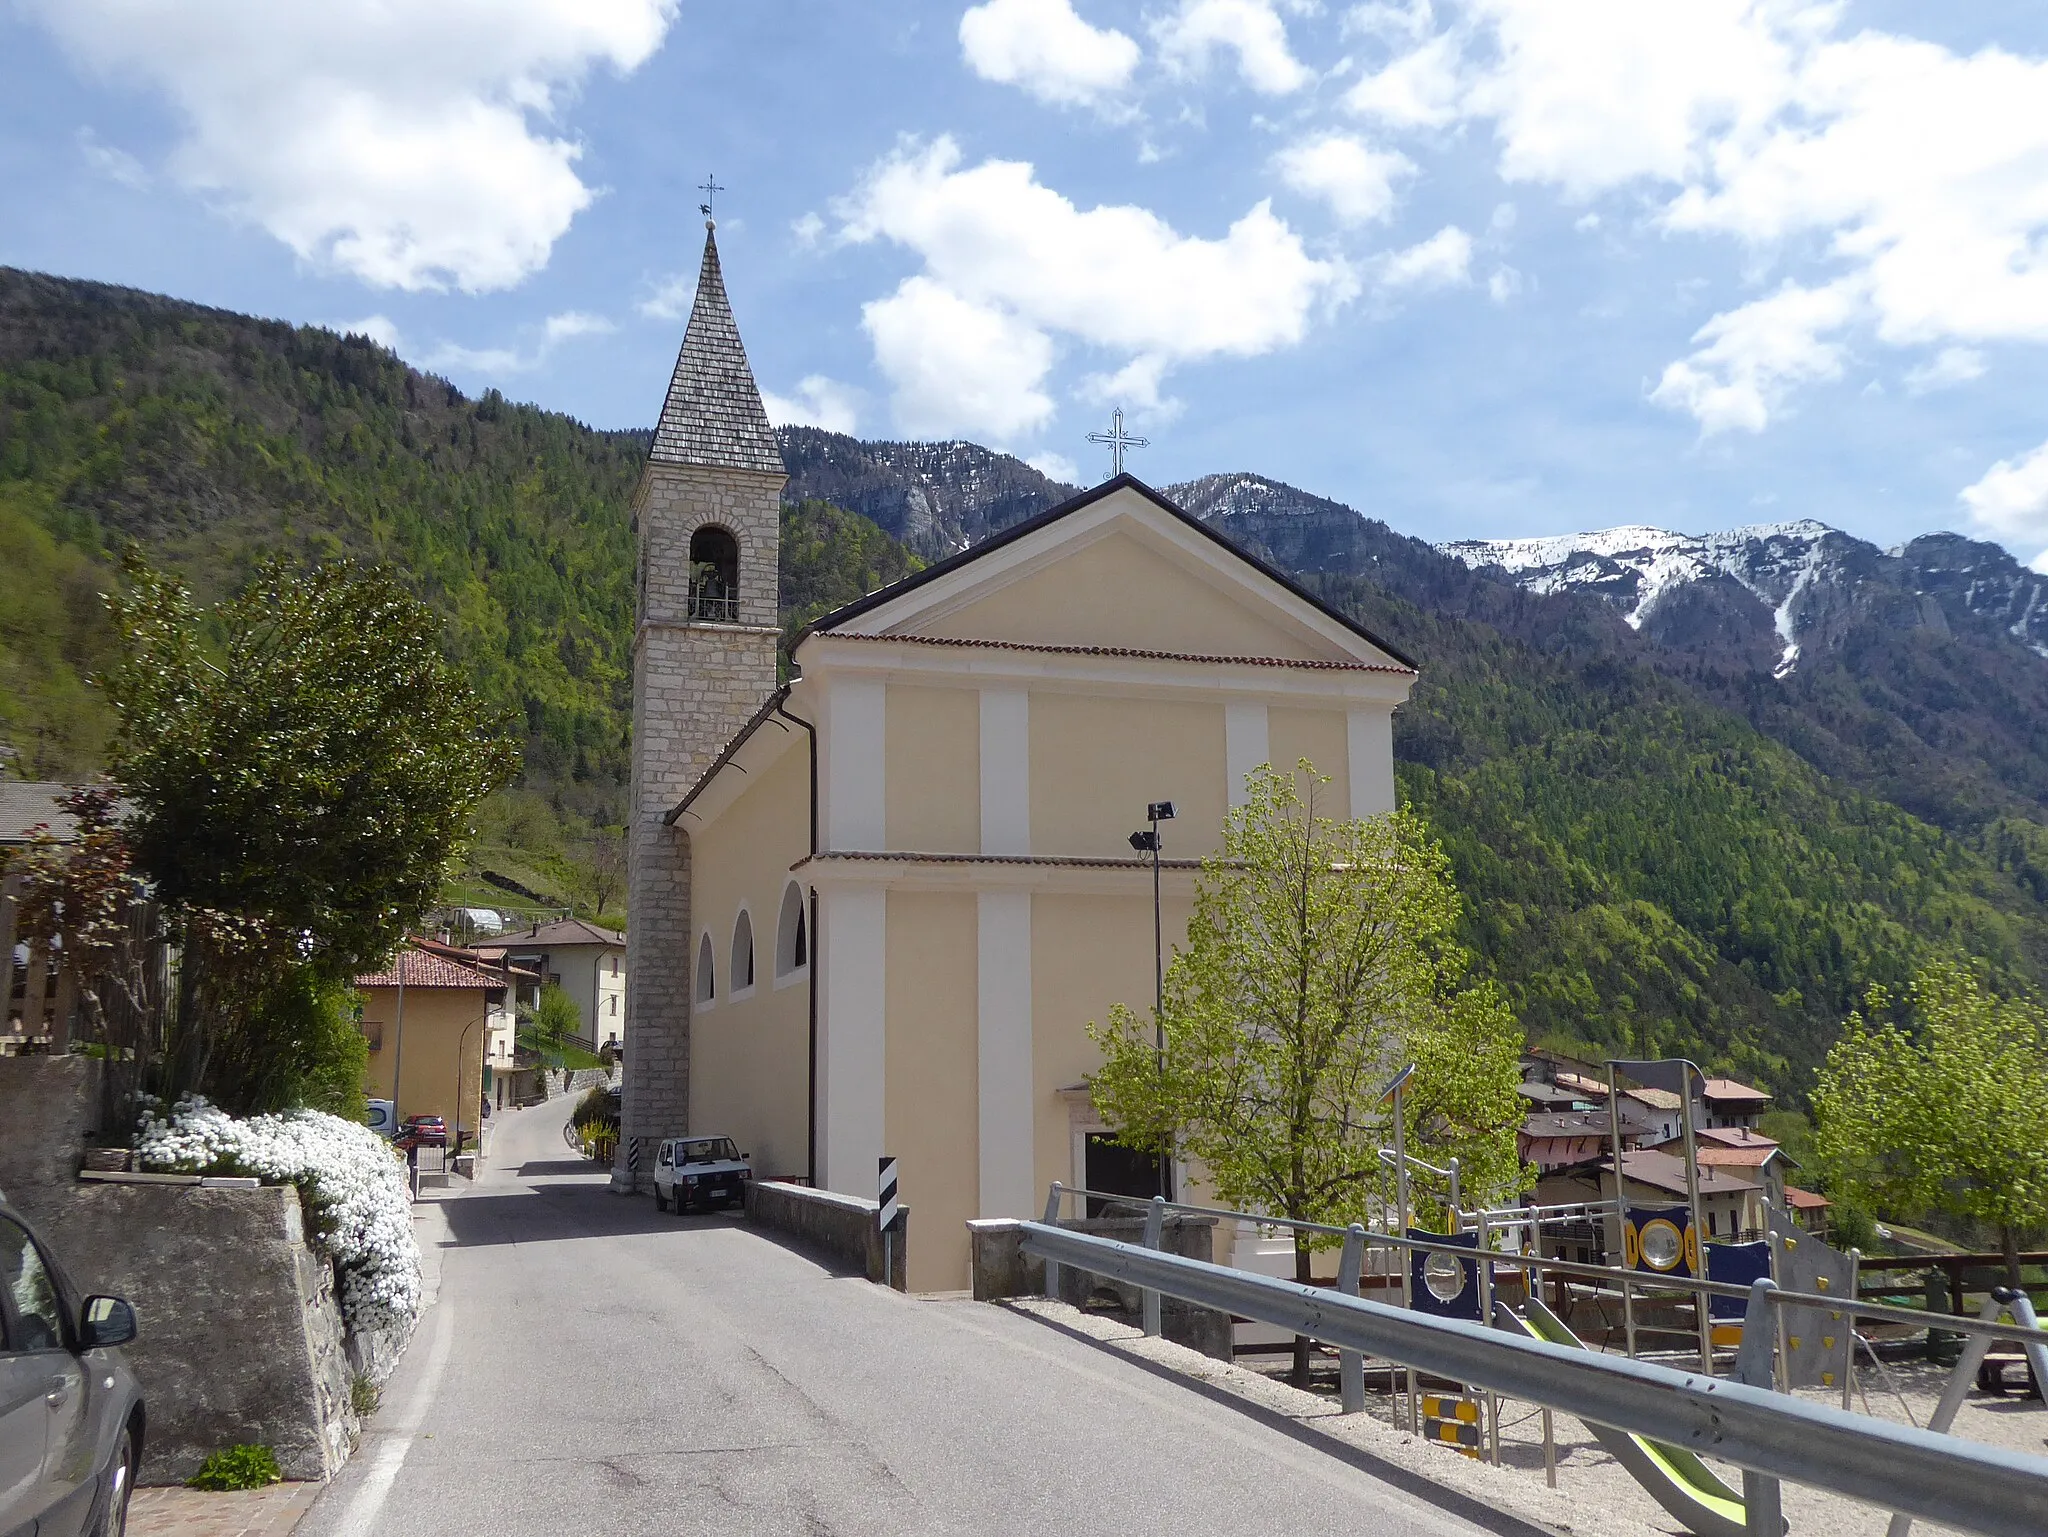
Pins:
x: 887, y: 1210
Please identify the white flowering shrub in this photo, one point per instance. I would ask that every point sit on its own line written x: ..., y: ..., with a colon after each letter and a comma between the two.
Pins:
x: 354, y: 1189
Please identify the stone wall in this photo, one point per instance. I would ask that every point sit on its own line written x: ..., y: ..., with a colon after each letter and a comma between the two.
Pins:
x: 842, y: 1226
x: 240, y: 1339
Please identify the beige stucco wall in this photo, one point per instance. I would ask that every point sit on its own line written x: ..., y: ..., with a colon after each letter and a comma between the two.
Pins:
x: 930, y: 1107
x: 933, y: 751
x: 1319, y: 736
x: 750, y: 1057
x: 1117, y: 592
x: 1096, y: 762
x: 437, y: 1019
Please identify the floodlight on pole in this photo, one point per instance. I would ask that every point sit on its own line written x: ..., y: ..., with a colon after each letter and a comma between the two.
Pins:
x: 1146, y: 841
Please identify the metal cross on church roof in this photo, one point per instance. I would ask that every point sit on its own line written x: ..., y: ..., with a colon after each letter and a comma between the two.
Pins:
x: 710, y: 188
x: 1117, y: 440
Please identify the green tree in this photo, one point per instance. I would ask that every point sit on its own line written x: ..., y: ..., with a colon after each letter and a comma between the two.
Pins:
x: 1941, y: 1106
x: 302, y: 763
x: 1321, y: 956
x: 553, y: 1032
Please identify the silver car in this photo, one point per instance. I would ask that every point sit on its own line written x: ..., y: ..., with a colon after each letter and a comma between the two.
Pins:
x: 70, y: 1412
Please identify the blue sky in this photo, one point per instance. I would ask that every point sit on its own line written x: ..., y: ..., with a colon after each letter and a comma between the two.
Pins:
x: 1491, y: 268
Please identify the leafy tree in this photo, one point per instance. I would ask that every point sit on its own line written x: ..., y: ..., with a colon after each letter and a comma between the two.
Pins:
x: 1942, y: 1106
x: 604, y: 868
x: 302, y: 763
x: 553, y: 1033
x: 1321, y: 956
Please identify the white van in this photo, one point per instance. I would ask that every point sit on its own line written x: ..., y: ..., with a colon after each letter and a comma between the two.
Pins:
x: 383, y: 1118
x: 699, y: 1172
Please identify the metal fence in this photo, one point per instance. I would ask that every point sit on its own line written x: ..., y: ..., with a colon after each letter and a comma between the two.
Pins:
x: 1770, y: 1435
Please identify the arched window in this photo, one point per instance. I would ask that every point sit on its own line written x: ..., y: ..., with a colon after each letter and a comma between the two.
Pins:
x: 742, y: 954
x: 707, y: 985
x: 792, y: 934
x: 714, y: 575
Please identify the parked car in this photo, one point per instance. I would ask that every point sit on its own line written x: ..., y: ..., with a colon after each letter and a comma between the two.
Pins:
x: 699, y: 1172
x: 422, y: 1131
x: 383, y: 1117
x: 71, y: 1415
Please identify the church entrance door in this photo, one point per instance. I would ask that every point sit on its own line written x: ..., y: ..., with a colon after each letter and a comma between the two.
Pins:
x: 1117, y: 1170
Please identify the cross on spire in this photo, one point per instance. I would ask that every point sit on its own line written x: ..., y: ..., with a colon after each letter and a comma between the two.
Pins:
x: 710, y: 188
x: 1116, y: 440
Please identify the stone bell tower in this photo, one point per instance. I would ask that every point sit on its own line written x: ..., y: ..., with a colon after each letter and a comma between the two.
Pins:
x: 708, y: 513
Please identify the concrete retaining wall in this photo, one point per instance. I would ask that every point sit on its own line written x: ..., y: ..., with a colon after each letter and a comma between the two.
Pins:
x: 843, y: 1226
x: 240, y: 1337
x: 1002, y: 1269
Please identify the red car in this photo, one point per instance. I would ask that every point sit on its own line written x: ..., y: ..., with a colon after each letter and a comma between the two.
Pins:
x: 422, y: 1131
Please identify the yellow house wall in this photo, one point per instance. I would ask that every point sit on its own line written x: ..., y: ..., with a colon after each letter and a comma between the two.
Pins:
x: 1319, y: 736
x: 931, y: 1103
x: 933, y: 748
x: 1116, y: 592
x: 437, y: 1019
x: 1097, y: 762
x: 1087, y: 952
x: 750, y: 1057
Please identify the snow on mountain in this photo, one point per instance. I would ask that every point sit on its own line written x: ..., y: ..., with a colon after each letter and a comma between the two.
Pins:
x: 1643, y: 570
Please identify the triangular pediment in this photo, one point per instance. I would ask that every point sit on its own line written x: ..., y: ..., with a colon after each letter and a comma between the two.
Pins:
x: 1120, y: 568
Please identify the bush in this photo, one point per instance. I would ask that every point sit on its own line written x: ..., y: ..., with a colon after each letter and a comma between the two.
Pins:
x: 238, y: 1467
x: 598, y: 1107
x: 364, y: 1396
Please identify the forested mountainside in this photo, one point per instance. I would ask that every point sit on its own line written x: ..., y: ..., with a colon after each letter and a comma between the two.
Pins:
x: 1662, y: 848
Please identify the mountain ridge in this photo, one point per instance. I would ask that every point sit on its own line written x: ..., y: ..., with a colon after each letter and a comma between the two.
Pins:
x: 1660, y: 850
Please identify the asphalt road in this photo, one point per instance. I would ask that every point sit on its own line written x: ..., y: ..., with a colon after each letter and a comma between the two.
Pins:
x: 590, y: 1367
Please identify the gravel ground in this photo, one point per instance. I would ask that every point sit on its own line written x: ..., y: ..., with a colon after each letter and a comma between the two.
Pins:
x: 1595, y: 1497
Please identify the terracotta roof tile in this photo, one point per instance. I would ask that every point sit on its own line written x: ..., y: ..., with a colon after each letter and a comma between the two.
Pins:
x: 423, y: 968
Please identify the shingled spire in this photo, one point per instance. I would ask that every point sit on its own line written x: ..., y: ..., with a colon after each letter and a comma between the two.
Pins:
x: 713, y: 414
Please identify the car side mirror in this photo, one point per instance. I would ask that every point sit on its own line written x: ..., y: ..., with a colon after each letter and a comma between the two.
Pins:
x: 106, y: 1321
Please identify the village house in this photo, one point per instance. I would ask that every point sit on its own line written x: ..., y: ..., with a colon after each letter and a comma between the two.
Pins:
x: 427, y: 1017
x: 876, y: 908
x: 1731, y: 1202
x: 584, y: 960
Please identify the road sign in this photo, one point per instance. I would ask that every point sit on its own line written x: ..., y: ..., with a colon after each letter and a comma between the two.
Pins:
x: 885, y: 1218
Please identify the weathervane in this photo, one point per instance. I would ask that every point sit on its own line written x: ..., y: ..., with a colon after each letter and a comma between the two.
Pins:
x: 710, y: 188
x: 1117, y: 440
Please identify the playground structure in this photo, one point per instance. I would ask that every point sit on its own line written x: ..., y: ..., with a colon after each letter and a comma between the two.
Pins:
x: 1780, y: 1313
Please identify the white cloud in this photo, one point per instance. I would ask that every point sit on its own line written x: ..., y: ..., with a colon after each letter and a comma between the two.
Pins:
x: 959, y: 366
x: 1419, y: 89
x: 1044, y: 47
x: 1356, y: 180
x: 819, y: 402
x: 117, y: 165
x: 1056, y: 467
x: 379, y: 328
x: 571, y: 324
x: 2011, y: 502
x: 1251, y: 29
x: 808, y: 228
x: 1909, y: 183
x: 1442, y: 261
x: 1748, y: 358
x: 410, y: 146
x: 1950, y: 366
x: 1504, y: 284
x: 1016, y: 264
x: 672, y: 297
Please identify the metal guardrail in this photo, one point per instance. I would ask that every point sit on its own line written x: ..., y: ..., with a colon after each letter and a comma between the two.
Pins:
x: 1914, y: 1472
x: 1606, y: 1275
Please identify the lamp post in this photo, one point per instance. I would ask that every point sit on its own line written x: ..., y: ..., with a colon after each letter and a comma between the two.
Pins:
x: 1144, y: 841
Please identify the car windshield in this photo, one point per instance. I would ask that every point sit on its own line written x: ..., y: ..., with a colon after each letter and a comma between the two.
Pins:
x: 706, y: 1150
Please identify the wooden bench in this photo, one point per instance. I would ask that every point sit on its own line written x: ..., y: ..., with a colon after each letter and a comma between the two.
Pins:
x: 1991, y: 1375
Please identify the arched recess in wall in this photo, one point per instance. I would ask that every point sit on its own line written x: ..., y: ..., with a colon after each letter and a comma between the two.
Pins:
x: 706, y: 984
x: 740, y: 976
x: 714, y: 575
x: 792, y: 935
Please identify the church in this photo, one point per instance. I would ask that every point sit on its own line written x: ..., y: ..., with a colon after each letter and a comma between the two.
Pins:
x: 876, y: 901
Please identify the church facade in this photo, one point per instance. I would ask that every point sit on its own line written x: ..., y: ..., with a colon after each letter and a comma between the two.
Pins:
x: 879, y: 904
